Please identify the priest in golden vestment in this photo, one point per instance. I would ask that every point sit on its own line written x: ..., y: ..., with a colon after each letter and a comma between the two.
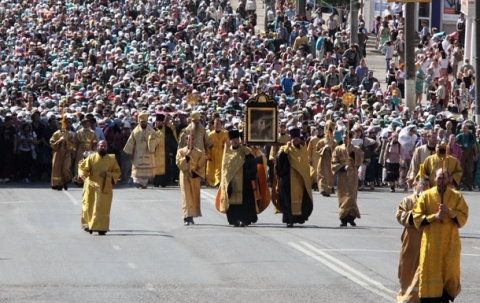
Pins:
x: 218, y: 137
x: 141, y: 146
x: 282, y: 138
x: 100, y: 172
x: 195, y: 128
x: 167, y: 145
x: 346, y: 159
x: 62, y: 145
x: 434, y: 162
x: 294, y: 181
x: 84, y: 140
x: 237, y: 194
x: 410, y: 249
x: 313, y: 156
x: 440, y: 212
x: 191, y: 162
x: 324, y: 149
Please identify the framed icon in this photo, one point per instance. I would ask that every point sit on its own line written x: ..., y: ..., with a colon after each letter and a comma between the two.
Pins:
x: 261, y: 120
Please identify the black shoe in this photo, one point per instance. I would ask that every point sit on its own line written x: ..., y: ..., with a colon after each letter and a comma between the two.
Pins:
x: 237, y: 224
x: 186, y: 223
x: 90, y: 231
x: 65, y: 186
x: 325, y: 194
x: 191, y: 221
x: 143, y: 187
x: 241, y: 224
x: 392, y: 189
x: 86, y: 229
x: 289, y: 225
x: 102, y: 233
x: 343, y: 224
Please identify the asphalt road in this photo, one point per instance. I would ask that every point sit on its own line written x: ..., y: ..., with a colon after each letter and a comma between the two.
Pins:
x: 149, y: 256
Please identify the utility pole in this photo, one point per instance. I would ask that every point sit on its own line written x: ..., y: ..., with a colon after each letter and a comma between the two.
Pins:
x: 410, y: 55
x: 354, y: 6
x: 477, y: 61
x: 301, y: 7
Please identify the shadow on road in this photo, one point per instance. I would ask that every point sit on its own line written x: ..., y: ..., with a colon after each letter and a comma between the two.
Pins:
x: 150, y: 233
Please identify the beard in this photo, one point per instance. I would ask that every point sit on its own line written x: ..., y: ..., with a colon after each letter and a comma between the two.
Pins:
x: 143, y: 126
x: 102, y: 152
x: 160, y: 127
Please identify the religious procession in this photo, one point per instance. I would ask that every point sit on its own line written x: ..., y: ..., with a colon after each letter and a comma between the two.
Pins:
x: 188, y: 94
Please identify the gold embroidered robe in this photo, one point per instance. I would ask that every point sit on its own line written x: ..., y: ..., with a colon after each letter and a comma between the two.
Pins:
x: 142, y: 144
x: 192, y: 170
x: 215, y: 155
x: 62, y: 157
x: 439, y: 265
x: 98, y: 191
x: 347, y: 180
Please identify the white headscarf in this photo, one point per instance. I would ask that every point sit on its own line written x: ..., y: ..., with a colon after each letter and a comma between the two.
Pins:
x: 407, y: 141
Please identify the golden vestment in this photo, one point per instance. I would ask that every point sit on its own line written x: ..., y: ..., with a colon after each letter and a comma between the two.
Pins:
x: 83, y: 141
x: 434, y: 162
x: 192, y: 170
x: 282, y: 139
x: 409, y: 252
x: 324, y: 149
x: 142, y: 144
x: 313, y: 156
x: 439, y: 265
x: 97, y: 190
x: 419, y: 155
x: 347, y: 180
x: 232, y: 164
x: 160, y: 153
x: 215, y: 155
x: 202, y: 141
x: 62, y: 157
x: 294, y: 184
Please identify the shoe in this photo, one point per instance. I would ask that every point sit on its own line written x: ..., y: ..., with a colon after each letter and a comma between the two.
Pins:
x: 405, y: 189
x: 86, y: 229
x: 237, y: 224
x: 65, y: 186
x: 392, y: 189
x: 186, y: 223
x: 241, y: 224
x: 191, y: 222
x: 102, y: 233
x: 289, y: 225
x: 143, y: 187
x: 325, y: 194
x: 343, y: 224
x: 138, y: 185
x: 352, y: 223
x: 469, y: 189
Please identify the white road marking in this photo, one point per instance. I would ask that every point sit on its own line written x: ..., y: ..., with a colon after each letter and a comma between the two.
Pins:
x: 340, y: 271
x: 150, y: 287
x: 132, y: 265
x: 116, y: 247
x: 348, y: 267
x: 18, y: 202
x: 72, y: 199
x: 476, y: 247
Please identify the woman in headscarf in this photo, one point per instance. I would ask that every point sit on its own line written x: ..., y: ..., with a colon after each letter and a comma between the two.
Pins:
x: 407, y: 138
x: 391, y: 161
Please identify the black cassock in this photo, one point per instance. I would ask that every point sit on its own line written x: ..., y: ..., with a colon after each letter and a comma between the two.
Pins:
x: 171, y: 146
x: 283, y: 174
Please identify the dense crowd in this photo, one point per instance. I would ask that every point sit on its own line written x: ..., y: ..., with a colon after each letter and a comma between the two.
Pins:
x: 100, y: 64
